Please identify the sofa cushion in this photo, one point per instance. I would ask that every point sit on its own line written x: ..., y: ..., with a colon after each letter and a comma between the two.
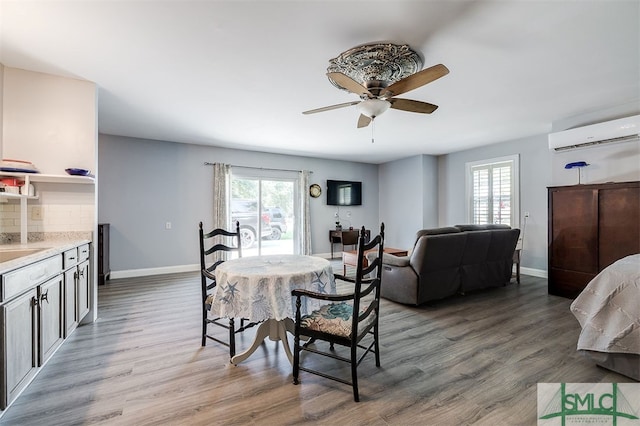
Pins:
x: 436, y: 231
x: 500, y: 256
x: 473, y: 260
x: 436, y: 259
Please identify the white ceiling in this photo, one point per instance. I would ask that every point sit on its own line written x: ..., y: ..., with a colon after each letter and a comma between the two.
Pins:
x: 239, y: 73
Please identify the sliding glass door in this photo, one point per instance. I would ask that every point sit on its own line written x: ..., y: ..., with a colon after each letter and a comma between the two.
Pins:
x: 264, y: 204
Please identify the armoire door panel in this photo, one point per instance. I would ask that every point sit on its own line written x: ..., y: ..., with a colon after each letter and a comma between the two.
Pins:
x: 590, y: 227
x: 619, y: 224
x: 568, y: 283
x: 575, y: 230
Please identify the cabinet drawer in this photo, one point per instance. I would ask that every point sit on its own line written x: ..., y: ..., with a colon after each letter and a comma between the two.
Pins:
x: 83, y: 252
x: 15, y: 282
x: 70, y: 257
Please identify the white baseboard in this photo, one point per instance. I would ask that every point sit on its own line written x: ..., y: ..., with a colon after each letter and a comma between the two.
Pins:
x: 540, y: 273
x: 133, y: 273
x: 337, y: 255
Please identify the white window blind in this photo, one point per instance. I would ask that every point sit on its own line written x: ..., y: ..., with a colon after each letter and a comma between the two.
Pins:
x: 492, y: 191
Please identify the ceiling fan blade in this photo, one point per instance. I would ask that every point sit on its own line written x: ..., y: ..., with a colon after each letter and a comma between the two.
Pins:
x: 349, y: 83
x: 363, y: 121
x: 416, y: 80
x: 412, y: 106
x: 329, y: 108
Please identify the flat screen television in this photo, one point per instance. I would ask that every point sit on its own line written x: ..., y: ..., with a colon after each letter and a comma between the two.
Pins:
x: 344, y: 193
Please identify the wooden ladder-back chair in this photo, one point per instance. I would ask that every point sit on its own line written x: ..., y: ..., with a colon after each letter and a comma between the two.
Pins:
x: 336, y: 323
x: 210, y: 245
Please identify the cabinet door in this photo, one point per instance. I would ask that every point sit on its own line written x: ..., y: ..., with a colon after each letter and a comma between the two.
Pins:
x: 83, y: 294
x: 19, y: 327
x: 70, y: 301
x: 574, y: 230
x: 573, y: 239
x: 50, y: 318
x: 619, y: 224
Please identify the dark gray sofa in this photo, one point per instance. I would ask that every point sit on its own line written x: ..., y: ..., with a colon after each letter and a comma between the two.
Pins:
x: 450, y: 260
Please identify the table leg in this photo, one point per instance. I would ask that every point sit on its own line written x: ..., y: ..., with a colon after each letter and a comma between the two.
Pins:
x: 516, y: 260
x: 261, y: 333
x: 275, y: 330
x: 283, y: 326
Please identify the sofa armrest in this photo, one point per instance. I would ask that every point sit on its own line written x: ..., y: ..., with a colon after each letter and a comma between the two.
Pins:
x: 389, y: 259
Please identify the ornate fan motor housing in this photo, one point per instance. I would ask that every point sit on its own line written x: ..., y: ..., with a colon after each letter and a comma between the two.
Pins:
x: 378, y: 73
x: 376, y: 66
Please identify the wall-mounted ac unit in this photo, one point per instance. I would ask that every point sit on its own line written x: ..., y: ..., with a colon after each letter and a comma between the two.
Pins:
x: 621, y: 130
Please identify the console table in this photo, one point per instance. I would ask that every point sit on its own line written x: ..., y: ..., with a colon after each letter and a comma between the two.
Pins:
x: 346, y: 237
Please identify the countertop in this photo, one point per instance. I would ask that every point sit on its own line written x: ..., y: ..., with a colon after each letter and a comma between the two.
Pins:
x: 49, y: 248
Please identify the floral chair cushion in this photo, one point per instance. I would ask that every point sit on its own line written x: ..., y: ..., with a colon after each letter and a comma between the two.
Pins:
x: 334, y: 318
x: 209, y: 301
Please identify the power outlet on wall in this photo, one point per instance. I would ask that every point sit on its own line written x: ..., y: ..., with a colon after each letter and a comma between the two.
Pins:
x: 36, y: 213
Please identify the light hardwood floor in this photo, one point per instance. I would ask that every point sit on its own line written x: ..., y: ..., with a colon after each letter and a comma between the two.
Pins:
x: 473, y: 359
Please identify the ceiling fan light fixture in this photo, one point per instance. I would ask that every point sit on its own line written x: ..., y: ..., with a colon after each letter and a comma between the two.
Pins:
x: 373, y: 107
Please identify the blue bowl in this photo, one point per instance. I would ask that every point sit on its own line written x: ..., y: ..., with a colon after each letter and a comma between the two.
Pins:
x: 77, y: 172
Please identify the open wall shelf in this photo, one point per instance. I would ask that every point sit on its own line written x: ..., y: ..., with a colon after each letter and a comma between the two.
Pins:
x: 29, y: 178
x: 41, y: 177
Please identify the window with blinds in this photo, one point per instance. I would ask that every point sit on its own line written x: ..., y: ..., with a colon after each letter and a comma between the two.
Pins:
x: 492, y: 191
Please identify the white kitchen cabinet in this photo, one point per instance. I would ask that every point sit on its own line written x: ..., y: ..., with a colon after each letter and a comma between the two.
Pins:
x: 50, y: 308
x: 70, y: 264
x: 83, y: 294
x: 19, y: 346
x: 70, y: 301
x: 76, y: 287
x: 41, y: 304
x: 32, y: 329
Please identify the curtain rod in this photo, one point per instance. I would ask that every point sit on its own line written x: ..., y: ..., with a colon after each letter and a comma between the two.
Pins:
x: 206, y: 163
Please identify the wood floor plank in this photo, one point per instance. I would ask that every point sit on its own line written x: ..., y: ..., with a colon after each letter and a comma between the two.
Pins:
x: 470, y: 359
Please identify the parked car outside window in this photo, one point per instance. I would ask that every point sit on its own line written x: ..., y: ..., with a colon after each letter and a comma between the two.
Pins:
x: 246, y: 212
x: 278, y: 222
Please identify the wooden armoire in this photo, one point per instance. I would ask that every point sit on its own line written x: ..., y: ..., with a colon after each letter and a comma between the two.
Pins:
x: 590, y: 227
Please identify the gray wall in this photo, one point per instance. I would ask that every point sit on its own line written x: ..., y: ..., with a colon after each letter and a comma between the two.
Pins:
x: 408, y: 198
x: 143, y: 184
x: 540, y: 168
x: 535, y: 176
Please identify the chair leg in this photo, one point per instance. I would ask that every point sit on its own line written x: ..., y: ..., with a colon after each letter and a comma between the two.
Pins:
x: 296, y: 358
x: 232, y: 338
x: 354, y: 373
x: 204, y: 326
x: 377, y: 346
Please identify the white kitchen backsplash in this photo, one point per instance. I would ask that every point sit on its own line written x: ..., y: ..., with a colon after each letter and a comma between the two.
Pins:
x: 47, y: 218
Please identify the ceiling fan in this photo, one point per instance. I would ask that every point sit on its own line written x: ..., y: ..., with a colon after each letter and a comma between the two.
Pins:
x: 378, y: 73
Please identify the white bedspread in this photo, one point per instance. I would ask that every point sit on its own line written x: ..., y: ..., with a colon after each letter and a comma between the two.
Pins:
x: 608, y: 309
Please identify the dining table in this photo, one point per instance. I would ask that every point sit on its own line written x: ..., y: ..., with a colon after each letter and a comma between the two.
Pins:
x: 258, y: 288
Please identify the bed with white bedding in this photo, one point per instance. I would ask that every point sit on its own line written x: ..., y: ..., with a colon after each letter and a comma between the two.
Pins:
x: 608, y: 310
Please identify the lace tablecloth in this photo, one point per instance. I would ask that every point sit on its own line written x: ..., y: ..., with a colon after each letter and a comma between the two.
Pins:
x: 259, y: 287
